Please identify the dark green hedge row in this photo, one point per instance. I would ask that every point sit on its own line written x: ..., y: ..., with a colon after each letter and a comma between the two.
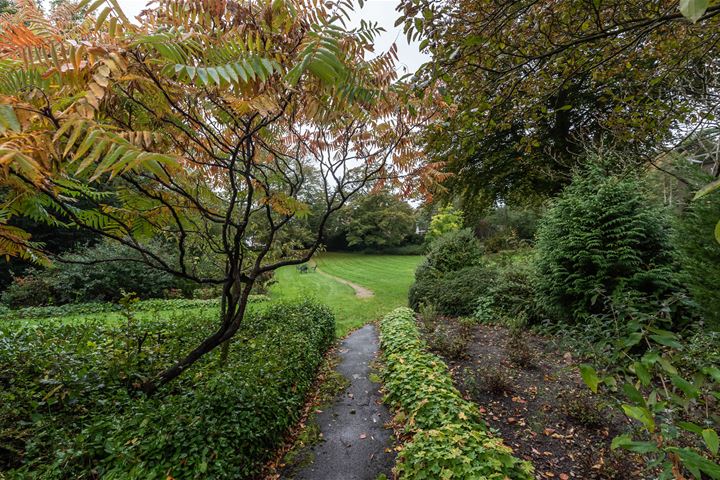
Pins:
x: 105, y: 307
x: 448, y: 437
x: 152, y: 305
x: 68, y: 409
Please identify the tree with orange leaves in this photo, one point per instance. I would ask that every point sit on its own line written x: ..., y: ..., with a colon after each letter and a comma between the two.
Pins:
x: 199, y: 124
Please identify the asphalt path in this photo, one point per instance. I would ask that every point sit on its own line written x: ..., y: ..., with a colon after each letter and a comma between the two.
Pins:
x: 356, y: 445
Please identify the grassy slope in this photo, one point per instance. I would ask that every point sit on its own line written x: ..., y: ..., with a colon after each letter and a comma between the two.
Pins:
x: 388, y: 276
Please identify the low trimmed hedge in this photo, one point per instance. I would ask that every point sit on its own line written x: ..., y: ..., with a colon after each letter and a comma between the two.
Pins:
x: 92, y: 308
x: 448, y: 437
x: 68, y: 409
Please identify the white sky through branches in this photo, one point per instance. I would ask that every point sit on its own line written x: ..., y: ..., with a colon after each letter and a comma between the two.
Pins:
x: 381, y: 11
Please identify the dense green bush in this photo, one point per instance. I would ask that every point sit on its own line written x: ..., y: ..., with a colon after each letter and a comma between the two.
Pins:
x: 448, y: 437
x: 453, y: 293
x: 511, y: 295
x: 700, y: 254
x: 74, y: 281
x: 451, y: 276
x: 452, y: 251
x: 103, y: 282
x: 35, y: 288
x: 600, y: 237
x: 69, y: 407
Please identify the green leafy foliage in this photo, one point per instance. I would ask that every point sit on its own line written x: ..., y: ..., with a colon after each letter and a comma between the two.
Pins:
x: 92, y: 274
x: 451, y: 277
x: 69, y: 407
x: 531, y: 84
x: 379, y: 220
x: 61, y: 312
x: 32, y: 289
x: 700, y: 254
x: 451, y: 252
x: 511, y: 295
x: 666, y: 383
x: 453, y: 293
x: 507, y: 228
x: 601, y: 237
x: 693, y: 10
x: 447, y: 220
x: 447, y: 437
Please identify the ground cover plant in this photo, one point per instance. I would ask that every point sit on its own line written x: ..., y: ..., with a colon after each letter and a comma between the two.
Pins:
x: 69, y: 407
x: 446, y: 435
x: 388, y: 277
x: 667, y: 382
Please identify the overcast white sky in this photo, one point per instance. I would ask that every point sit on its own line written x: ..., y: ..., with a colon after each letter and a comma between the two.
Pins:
x: 381, y: 11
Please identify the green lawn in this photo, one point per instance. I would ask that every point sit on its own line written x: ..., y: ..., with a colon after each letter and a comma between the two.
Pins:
x: 388, y: 276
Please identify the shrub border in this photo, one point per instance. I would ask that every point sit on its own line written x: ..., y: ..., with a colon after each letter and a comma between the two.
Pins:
x: 447, y: 437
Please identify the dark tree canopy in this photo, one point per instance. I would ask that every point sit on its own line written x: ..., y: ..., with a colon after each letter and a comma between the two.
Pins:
x: 379, y: 220
x: 529, y: 84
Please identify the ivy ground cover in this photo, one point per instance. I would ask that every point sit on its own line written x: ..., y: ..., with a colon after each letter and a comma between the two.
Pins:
x: 446, y: 436
x: 70, y: 408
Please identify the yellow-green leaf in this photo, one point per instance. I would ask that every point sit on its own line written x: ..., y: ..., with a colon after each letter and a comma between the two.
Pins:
x: 711, y: 440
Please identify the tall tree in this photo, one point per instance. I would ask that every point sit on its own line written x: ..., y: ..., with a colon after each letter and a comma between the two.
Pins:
x: 200, y: 125
x: 529, y: 84
x: 379, y: 219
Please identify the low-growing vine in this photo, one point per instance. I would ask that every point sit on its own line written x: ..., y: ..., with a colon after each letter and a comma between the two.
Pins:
x: 447, y: 437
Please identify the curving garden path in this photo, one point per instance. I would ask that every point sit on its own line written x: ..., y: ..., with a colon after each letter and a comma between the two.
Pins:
x: 360, y: 291
x: 356, y: 445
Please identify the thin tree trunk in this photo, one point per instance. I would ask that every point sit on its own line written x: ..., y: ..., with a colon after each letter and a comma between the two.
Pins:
x: 223, y: 312
x: 227, y: 330
x: 224, y: 353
